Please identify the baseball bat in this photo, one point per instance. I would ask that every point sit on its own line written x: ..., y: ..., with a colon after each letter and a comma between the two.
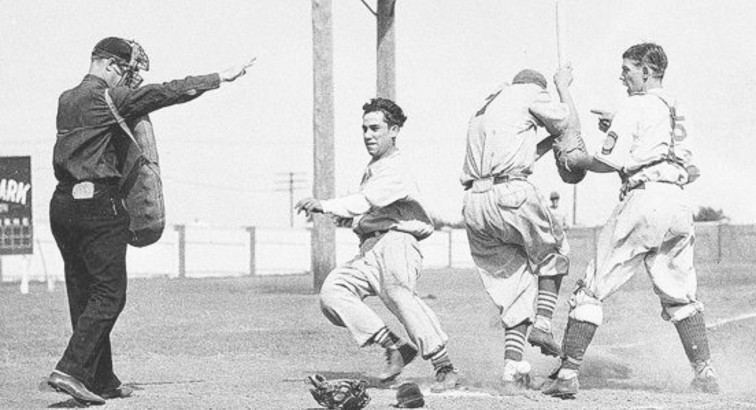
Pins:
x: 559, y: 36
x: 560, y: 59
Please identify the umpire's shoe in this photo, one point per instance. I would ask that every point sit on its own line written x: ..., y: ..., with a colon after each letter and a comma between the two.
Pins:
x: 120, y: 392
x: 396, y: 359
x: 545, y: 341
x: 76, y: 389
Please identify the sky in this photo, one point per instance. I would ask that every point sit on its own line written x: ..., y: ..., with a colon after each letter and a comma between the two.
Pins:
x: 226, y: 156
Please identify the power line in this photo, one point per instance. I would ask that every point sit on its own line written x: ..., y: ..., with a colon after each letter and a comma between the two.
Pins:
x: 216, y: 186
x: 291, y: 181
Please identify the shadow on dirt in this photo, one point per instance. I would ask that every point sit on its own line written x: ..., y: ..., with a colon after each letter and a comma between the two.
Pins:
x: 68, y: 404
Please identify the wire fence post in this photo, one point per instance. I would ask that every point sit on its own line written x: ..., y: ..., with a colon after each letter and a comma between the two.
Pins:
x: 252, y: 250
x: 595, y: 231
x: 449, y: 249
x: 181, y: 229
x: 719, y: 242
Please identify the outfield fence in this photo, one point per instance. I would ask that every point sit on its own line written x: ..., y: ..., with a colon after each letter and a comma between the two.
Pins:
x: 189, y: 251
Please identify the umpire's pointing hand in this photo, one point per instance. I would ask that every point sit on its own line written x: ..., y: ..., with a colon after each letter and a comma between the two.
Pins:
x: 232, y: 73
x: 309, y: 205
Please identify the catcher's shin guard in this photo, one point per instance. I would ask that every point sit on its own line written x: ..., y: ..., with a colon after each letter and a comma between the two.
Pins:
x: 692, y: 332
x: 577, y: 337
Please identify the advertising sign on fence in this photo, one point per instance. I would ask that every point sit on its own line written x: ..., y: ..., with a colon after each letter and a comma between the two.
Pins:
x: 16, y: 233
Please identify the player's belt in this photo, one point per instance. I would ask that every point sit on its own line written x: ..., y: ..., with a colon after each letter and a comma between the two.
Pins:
x: 626, y: 188
x: 484, y: 184
x: 366, y: 236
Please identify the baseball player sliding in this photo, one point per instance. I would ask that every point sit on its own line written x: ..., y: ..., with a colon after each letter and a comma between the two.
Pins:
x: 651, y: 229
x: 519, y: 249
x: 390, y: 220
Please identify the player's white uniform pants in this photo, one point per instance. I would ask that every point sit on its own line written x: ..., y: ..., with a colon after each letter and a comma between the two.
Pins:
x: 650, y: 230
x: 513, y: 239
x: 387, y: 266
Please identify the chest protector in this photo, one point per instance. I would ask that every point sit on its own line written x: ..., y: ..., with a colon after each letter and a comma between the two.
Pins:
x: 140, y: 184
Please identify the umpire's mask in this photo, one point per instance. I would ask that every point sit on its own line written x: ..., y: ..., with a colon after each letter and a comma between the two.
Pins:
x: 129, y: 55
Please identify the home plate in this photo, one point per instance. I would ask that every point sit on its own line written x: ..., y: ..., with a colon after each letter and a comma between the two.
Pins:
x: 461, y: 393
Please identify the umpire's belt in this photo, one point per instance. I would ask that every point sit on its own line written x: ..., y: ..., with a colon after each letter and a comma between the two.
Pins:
x: 86, y: 188
x: 485, y: 184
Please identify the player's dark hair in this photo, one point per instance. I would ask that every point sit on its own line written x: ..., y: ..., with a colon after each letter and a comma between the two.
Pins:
x: 650, y: 54
x: 392, y: 112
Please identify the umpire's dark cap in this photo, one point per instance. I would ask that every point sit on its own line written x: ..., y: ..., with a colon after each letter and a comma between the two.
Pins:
x: 528, y: 76
x: 113, y: 47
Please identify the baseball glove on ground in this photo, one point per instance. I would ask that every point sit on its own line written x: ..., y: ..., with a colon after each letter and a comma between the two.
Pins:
x: 339, y: 394
x: 571, y: 156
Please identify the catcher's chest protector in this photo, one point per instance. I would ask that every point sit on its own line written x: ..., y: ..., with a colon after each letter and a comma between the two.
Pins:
x: 140, y: 184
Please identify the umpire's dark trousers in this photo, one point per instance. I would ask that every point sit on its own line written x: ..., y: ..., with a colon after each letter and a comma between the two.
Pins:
x: 92, y: 236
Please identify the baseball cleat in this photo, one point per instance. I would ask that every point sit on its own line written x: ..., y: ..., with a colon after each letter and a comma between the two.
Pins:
x: 545, y: 341
x: 516, y: 378
x: 447, y: 378
x: 396, y: 360
x: 705, y: 382
x: 562, y: 388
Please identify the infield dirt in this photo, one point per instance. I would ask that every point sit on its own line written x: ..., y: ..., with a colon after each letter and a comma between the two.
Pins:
x: 250, y: 343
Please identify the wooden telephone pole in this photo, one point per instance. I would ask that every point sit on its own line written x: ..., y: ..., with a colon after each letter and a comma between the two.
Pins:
x: 323, y: 237
x: 386, y: 50
x: 323, y: 242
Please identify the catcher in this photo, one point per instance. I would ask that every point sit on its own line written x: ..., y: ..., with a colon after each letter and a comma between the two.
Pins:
x: 650, y: 229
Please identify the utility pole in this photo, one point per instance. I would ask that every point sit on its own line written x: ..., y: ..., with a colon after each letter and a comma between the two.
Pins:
x: 386, y: 50
x: 292, y: 180
x: 323, y: 238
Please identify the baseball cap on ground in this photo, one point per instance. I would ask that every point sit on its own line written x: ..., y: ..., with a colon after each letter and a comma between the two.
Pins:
x: 528, y: 76
x: 409, y: 396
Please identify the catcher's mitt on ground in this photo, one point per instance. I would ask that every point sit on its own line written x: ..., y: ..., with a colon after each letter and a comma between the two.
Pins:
x: 339, y: 394
x: 571, y: 156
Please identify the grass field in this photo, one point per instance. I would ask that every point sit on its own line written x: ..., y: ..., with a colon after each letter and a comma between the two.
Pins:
x: 250, y: 342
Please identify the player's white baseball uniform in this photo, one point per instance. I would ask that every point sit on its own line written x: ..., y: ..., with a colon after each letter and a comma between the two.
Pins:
x: 513, y: 236
x: 651, y: 228
x: 390, y: 219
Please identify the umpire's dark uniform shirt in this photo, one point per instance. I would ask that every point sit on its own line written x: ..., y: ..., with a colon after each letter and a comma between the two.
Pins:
x: 90, y: 144
x: 87, y: 217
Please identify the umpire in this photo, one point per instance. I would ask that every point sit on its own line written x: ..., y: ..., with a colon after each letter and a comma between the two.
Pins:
x: 87, y: 215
